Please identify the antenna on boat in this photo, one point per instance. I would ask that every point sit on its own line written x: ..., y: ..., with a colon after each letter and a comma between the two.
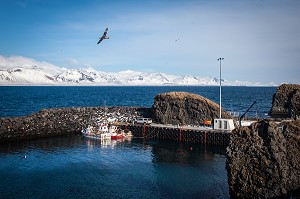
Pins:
x: 220, y: 59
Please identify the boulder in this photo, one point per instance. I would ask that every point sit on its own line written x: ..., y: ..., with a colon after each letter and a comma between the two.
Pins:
x: 286, y: 102
x: 184, y: 108
x: 263, y: 160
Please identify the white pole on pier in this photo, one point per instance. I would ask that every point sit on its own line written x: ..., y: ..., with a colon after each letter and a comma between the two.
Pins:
x: 220, y: 59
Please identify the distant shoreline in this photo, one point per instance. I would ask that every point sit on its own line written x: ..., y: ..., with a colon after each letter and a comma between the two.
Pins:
x: 167, y: 85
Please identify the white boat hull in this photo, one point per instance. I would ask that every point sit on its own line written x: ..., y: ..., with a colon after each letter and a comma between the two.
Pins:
x: 99, y: 137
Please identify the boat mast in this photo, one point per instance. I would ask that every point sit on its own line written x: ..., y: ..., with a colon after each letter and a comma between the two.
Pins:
x: 220, y: 59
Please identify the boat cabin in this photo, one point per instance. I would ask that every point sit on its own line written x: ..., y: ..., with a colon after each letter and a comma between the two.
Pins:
x: 103, y: 128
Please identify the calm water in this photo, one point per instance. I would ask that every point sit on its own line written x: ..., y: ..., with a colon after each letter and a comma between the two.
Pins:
x: 76, y: 167
x: 17, y: 101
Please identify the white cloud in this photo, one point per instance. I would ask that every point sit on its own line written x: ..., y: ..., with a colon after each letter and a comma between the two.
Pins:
x: 13, y: 62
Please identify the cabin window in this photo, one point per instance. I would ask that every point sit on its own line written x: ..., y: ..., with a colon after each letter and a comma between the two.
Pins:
x: 225, y: 125
x: 220, y: 124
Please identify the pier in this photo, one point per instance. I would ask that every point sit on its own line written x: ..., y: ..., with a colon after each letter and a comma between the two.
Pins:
x: 70, y: 121
x: 201, y: 135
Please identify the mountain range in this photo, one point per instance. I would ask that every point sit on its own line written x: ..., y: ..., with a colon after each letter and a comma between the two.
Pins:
x: 17, y: 70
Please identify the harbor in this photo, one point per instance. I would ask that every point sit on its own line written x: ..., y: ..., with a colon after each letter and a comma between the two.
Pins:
x: 189, y: 121
x: 72, y: 121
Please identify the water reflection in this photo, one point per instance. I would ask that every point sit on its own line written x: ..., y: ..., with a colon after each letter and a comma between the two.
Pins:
x: 59, y: 143
x: 134, y: 168
x: 185, y: 153
x: 107, y: 143
x: 161, y: 151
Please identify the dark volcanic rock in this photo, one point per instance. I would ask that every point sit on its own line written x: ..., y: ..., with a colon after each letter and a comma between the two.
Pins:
x: 63, y: 121
x: 263, y: 159
x: 286, y: 102
x: 184, y: 108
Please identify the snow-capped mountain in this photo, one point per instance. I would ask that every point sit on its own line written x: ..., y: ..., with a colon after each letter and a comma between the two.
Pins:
x: 86, y: 76
x: 24, y: 71
x: 141, y: 78
x: 25, y: 76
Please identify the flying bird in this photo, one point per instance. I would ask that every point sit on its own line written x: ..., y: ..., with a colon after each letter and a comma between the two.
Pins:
x: 103, y: 36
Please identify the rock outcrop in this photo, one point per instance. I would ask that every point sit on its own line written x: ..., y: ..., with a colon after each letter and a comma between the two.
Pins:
x: 263, y: 159
x: 63, y: 121
x: 286, y: 102
x: 184, y: 108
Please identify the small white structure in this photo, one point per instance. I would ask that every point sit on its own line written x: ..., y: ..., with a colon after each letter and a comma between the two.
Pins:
x: 247, y: 122
x: 224, y: 124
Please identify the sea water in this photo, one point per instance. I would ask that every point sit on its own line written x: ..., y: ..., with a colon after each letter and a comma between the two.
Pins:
x: 24, y: 100
x: 77, y: 167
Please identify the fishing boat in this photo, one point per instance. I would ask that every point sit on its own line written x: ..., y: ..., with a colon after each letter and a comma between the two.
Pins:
x: 101, y: 132
x: 116, y: 133
x: 105, y: 131
x: 121, y: 134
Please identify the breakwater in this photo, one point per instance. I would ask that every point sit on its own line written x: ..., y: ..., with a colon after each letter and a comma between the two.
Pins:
x: 63, y: 121
x: 68, y: 121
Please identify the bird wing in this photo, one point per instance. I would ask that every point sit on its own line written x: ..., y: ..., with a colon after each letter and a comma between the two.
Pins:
x: 105, y: 32
x: 101, y: 38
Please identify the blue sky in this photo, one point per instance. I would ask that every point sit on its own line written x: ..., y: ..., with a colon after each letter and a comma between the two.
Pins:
x: 259, y: 39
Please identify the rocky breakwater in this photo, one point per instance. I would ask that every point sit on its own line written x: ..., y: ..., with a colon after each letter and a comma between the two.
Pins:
x: 263, y: 159
x: 64, y: 121
x: 184, y: 108
x: 286, y: 102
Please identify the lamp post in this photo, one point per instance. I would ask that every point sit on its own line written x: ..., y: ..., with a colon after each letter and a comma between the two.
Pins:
x: 220, y: 59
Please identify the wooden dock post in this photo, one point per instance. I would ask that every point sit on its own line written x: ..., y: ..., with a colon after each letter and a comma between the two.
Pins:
x: 145, y: 128
x: 180, y: 130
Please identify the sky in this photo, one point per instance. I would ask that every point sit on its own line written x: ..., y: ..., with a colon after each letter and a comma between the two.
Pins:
x: 258, y: 39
